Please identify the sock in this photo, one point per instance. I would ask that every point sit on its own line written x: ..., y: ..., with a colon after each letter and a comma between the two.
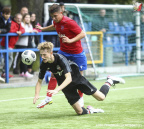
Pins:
x: 85, y: 111
x: 52, y: 85
x: 109, y: 82
x: 105, y: 89
x: 80, y: 93
x: 48, y: 98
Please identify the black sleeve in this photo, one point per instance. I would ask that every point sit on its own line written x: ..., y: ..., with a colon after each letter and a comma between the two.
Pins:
x: 64, y: 64
x: 7, y: 29
x: 43, y: 70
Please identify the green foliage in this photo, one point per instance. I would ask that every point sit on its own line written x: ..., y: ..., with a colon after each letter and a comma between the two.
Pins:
x: 110, y: 1
x: 35, y: 6
x: 5, y: 2
x: 123, y: 109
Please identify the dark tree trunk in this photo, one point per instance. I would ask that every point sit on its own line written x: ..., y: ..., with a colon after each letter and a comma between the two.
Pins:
x: 35, y: 6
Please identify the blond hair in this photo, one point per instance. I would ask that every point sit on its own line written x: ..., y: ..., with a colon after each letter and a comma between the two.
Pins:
x: 46, y: 45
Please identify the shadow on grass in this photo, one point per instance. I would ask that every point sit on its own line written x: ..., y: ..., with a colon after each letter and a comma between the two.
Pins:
x: 52, y: 115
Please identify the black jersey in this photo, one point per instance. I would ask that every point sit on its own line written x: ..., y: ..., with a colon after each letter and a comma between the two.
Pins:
x: 59, y: 68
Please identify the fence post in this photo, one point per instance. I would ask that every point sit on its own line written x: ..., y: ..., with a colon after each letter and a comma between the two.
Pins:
x: 41, y: 37
x: 126, y: 50
x: 7, y: 60
x: 41, y: 40
x: 138, y: 43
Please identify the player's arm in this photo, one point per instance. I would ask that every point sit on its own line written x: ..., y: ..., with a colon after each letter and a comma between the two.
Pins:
x: 81, y: 35
x: 47, y: 28
x: 68, y: 80
x: 37, y: 90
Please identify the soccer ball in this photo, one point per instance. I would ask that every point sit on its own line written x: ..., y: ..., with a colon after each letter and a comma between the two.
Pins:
x: 28, y: 57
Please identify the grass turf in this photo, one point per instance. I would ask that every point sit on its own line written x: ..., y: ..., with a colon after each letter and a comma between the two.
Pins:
x: 124, y: 109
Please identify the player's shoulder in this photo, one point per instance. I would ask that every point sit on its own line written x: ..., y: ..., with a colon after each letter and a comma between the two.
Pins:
x: 57, y: 55
x: 72, y: 63
x: 67, y: 19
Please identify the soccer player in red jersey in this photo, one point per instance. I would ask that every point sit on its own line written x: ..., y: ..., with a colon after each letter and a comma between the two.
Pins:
x: 70, y: 35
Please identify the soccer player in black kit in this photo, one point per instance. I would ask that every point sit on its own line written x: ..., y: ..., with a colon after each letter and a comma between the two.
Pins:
x: 69, y: 79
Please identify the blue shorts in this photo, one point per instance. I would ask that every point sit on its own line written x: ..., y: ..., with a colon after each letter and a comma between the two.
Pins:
x: 79, y: 59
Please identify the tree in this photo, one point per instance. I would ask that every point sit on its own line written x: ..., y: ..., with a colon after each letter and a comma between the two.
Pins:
x: 109, y: 1
x: 35, y: 6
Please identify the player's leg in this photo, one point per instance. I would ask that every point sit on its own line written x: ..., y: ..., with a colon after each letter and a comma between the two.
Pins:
x: 111, y: 81
x: 80, y: 110
x: 51, y: 86
x: 81, y: 61
x: 86, y: 87
x: 72, y: 96
x: 81, y: 100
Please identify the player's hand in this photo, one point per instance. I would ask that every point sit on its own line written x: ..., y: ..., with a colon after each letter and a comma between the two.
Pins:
x: 66, y: 39
x: 38, y: 27
x: 35, y: 99
x: 52, y: 92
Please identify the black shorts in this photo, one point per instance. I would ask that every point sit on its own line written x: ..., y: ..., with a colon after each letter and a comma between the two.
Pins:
x: 83, y: 85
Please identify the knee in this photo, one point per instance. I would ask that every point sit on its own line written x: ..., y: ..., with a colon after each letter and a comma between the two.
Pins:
x: 101, y: 98
x: 79, y: 112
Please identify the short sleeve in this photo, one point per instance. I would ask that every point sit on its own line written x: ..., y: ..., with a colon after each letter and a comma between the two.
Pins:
x: 42, y: 72
x: 74, y: 27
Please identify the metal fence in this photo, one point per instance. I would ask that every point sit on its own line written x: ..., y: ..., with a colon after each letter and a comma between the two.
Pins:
x: 41, y: 35
x: 7, y: 50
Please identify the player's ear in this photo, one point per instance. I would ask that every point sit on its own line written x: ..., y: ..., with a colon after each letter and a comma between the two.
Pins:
x: 51, y: 52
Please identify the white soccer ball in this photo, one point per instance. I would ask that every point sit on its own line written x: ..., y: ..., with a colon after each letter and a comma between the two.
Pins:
x: 28, y: 57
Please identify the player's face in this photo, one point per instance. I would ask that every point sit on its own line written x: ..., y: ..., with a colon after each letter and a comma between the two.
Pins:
x: 57, y: 16
x: 46, y: 56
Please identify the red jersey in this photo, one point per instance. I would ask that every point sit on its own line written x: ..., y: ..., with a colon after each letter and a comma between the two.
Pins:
x: 68, y: 27
x: 13, y: 39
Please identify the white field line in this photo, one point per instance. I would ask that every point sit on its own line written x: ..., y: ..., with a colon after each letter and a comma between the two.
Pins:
x: 23, y: 98
x: 63, y: 94
x: 128, y: 88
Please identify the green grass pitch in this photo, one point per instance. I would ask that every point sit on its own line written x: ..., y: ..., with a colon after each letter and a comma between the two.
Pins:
x: 124, y: 109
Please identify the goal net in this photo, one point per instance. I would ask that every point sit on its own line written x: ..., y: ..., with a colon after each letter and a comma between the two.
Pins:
x: 111, y: 34
x: 118, y: 23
